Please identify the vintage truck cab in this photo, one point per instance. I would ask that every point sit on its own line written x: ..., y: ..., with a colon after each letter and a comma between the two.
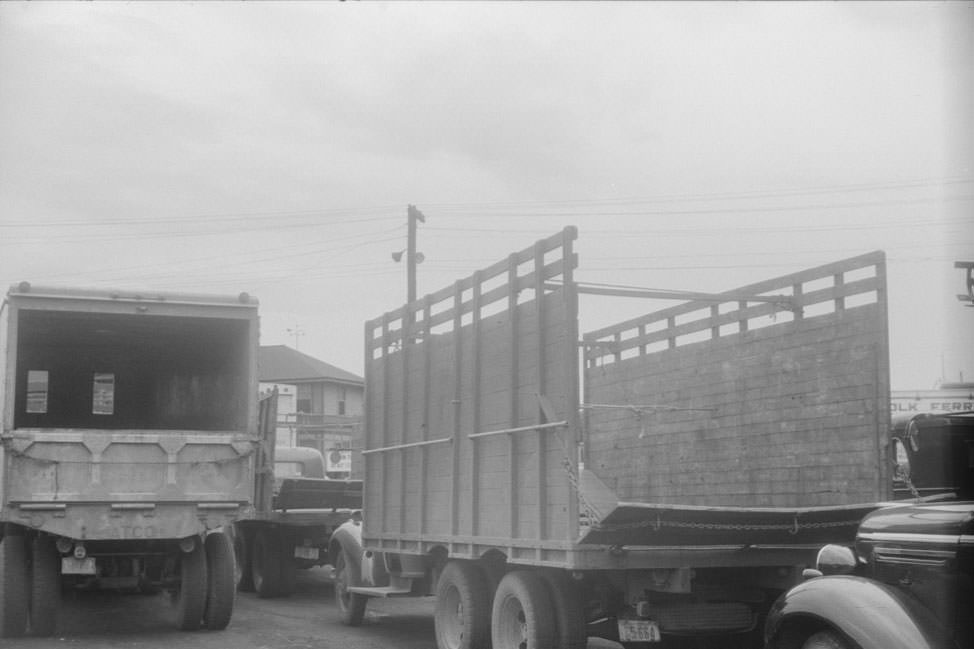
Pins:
x: 909, y: 580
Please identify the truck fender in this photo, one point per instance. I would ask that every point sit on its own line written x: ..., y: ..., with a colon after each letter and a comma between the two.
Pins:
x: 348, y: 538
x: 868, y: 612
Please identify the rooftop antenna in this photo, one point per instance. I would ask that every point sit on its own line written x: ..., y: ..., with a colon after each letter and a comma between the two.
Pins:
x: 297, y: 332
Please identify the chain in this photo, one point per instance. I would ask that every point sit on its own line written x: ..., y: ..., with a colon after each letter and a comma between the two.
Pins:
x: 905, y: 477
x: 792, y: 528
x: 589, y: 512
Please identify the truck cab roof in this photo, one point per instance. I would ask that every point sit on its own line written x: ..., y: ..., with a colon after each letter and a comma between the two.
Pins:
x: 938, y: 449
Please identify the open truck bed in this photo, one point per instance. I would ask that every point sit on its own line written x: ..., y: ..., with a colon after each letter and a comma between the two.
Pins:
x: 738, y: 430
x: 127, y: 445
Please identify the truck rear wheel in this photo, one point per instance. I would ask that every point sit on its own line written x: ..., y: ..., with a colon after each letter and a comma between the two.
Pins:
x: 462, y: 615
x: 266, y: 563
x: 351, y: 606
x: 243, y: 546
x: 289, y: 570
x: 824, y: 640
x: 570, y: 622
x: 45, y: 586
x: 190, y: 598
x: 522, y: 615
x: 220, y: 582
x: 13, y: 585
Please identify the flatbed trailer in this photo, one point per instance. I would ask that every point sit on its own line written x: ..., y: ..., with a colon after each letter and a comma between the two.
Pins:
x: 660, y: 480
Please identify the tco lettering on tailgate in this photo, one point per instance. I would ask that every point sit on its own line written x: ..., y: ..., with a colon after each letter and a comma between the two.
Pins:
x: 135, y: 532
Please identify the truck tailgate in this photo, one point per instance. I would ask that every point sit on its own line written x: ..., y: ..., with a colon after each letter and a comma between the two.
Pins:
x: 648, y: 525
x: 56, y: 465
x: 317, y: 493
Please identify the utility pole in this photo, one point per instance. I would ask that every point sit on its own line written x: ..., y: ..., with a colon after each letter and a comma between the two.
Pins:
x: 412, y: 257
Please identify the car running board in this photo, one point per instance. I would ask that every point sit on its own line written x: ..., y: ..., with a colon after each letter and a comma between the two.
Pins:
x: 380, y: 591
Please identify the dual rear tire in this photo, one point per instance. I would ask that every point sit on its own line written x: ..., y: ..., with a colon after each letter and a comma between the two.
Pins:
x: 221, y: 580
x: 14, y: 593
x: 30, y: 585
x: 530, y: 610
x: 461, y: 617
x: 45, y: 586
x: 271, y: 561
x: 207, y: 587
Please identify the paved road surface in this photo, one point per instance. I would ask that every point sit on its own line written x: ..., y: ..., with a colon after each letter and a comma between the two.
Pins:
x: 306, y: 620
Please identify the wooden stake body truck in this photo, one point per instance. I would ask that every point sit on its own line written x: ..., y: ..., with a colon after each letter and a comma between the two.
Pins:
x: 127, y: 448
x: 666, y: 493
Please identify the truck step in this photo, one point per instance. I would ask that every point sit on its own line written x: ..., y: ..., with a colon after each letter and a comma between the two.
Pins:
x: 407, y: 575
x: 380, y: 591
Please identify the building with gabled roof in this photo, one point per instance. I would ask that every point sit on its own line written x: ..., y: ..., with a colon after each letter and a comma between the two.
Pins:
x: 281, y: 364
x: 327, y: 408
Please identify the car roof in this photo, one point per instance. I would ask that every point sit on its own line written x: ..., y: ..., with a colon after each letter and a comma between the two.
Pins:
x: 296, y: 454
x: 930, y: 420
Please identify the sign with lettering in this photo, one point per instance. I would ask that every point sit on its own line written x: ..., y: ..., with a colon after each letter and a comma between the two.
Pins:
x: 911, y: 403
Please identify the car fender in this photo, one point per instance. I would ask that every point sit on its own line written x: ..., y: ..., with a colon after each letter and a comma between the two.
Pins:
x: 348, y: 538
x: 365, y: 568
x: 870, y: 613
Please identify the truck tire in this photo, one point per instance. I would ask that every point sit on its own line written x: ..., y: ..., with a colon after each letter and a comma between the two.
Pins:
x: 13, y: 585
x: 825, y: 640
x: 522, y: 615
x: 289, y: 570
x: 570, y: 623
x: 351, y: 606
x: 190, y: 598
x: 220, y: 582
x: 243, y: 547
x: 266, y: 563
x: 45, y: 586
x: 462, y: 614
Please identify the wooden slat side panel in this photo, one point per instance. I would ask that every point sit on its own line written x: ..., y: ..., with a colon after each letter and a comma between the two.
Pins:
x: 476, y: 386
x: 808, y: 293
x: 788, y: 416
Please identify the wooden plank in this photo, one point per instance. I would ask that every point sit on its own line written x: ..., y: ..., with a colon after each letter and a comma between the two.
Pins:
x: 476, y: 403
x: 424, y: 429
x: 457, y: 396
x: 514, y: 416
x: 539, y: 291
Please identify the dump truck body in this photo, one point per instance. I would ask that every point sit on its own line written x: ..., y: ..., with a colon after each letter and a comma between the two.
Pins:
x: 128, y: 435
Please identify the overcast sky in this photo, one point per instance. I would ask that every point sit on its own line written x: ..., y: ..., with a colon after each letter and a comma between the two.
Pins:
x: 273, y: 148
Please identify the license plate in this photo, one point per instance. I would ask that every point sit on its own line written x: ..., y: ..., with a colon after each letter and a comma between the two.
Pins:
x: 72, y: 566
x: 638, y: 631
x: 303, y: 552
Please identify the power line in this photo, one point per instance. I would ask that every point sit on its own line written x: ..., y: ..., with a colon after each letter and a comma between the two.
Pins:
x: 751, y: 194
